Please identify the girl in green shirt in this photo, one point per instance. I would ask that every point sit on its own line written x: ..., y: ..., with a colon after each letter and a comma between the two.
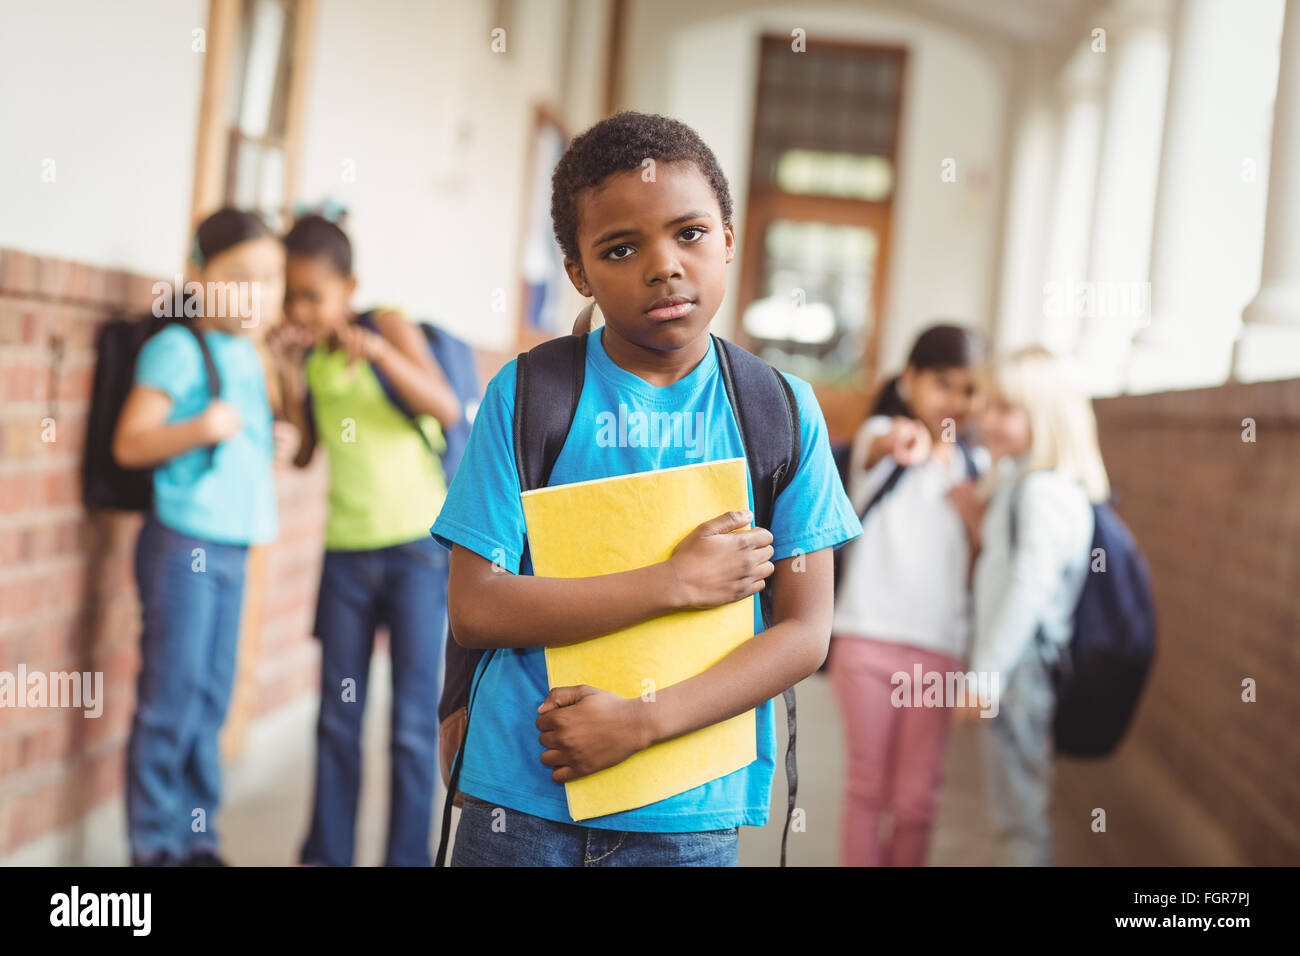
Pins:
x: 381, y: 566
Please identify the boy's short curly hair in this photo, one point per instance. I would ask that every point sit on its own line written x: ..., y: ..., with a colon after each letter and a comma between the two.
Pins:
x: 620, y: 143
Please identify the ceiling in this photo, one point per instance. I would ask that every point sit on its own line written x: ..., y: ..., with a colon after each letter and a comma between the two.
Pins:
x: 1021, y: 21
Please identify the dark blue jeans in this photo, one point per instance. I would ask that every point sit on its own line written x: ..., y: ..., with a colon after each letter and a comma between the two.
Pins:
x: 191, y: 592
x: 404, y: 588
x: 489, y: 835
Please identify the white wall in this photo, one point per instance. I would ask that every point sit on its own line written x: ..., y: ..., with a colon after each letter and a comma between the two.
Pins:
x: 698, y: 63
x: 109, y: 92
x: 434, y: 127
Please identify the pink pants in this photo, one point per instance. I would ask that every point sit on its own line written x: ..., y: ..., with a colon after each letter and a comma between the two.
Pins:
x: 896, y: 754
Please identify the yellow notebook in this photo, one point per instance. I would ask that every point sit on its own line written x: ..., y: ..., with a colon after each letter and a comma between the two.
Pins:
x: 618, y: 524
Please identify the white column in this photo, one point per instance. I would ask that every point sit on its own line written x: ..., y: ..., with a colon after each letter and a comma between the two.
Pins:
x: 1269, y: 346
x: 1208, y: 232
x: 1071, y: 223
x: 1137, y: 60
x: 1028, y: 198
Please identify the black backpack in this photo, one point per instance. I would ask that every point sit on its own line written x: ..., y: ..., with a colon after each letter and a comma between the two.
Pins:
x: 105, y: 483
x: 1103, y: 667
x: 548, y: 383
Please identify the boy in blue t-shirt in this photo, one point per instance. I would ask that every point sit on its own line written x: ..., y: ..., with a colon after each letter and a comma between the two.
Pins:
x: 643, y: 215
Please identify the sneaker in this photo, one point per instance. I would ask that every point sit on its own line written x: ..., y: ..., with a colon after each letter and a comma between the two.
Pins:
x: 203, y: 858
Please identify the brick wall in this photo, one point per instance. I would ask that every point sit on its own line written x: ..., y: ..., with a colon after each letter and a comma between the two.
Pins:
x: 1205, y: 778
x: 67, y: 592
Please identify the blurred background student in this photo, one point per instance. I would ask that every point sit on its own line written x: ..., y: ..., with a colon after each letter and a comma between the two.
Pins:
x: 1038, y: 424
x: 213, y: 496
x: 382, y: 567
x: 901, y: 599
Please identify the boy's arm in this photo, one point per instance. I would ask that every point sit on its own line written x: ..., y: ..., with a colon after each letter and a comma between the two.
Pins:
x: 585, y: 729
x: 721, y: 561
x: 143, y: 438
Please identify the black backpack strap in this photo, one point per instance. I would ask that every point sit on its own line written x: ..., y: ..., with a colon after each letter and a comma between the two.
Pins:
x: 768, y: 419
x: 885, y: 488
x: 548, y: 384
x: 367, y: 321
x: 213, y: 375
x: 767, y: 415
x: 209, y: 366
x: 968, y: 458
x: 471, y: 659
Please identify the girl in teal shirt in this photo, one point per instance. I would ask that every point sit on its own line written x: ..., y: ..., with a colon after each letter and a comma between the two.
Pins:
x: 213, y: 497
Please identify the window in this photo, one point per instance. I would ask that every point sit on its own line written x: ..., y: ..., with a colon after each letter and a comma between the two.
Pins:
x: 251, y: 115
x: 258, y: 108
x: 821, y: 190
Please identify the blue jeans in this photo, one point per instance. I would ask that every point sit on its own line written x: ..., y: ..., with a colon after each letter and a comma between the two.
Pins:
x: 403, y: 587
x: 489, y: 835
x: 1018, y: 756
x: 191, y: 592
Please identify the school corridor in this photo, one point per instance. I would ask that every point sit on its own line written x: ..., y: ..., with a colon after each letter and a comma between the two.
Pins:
x: 1118, y: 180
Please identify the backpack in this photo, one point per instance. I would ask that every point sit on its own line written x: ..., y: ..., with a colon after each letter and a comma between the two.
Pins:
x: 105, y: 483
x: 1104, y: 664
x: 456, y: 359
x: 548, y: 384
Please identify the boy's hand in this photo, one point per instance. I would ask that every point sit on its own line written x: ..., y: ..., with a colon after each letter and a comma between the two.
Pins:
x: 718, y: 563
x: 585, y: 729
x: 218, y: 422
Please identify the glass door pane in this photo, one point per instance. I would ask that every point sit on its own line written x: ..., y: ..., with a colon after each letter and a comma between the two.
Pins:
x: 814, y: 310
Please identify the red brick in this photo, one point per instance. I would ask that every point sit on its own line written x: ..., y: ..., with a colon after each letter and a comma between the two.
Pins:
x: 20, y: 273
x: 52, y: 277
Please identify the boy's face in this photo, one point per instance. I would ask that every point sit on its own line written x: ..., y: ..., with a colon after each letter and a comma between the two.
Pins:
x: 654, y: 254
x: 317, y: 297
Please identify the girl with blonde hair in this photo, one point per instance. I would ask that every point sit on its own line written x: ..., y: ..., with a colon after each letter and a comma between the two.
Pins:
x: 1034, y: 537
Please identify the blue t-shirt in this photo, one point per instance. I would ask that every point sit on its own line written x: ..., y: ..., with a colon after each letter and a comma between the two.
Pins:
x: 483, y: 513
x: 233, y: 501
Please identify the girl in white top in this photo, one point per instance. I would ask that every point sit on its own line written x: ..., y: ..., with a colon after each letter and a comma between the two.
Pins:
x: 1038, y: 424
x: 902, y: 608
